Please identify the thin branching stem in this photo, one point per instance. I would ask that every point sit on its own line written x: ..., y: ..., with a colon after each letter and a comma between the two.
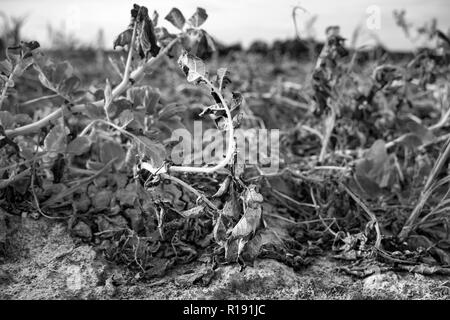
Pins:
x: 207, y: 170
x: 33, y: 101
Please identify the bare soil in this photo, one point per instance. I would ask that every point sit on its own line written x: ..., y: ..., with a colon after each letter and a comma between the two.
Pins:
x: 44, y: 262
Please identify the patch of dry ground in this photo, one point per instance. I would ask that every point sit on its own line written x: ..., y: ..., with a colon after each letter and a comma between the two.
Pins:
x: 44, y: 263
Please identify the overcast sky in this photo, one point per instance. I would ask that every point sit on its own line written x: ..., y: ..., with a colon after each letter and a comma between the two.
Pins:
x: 229, y: 21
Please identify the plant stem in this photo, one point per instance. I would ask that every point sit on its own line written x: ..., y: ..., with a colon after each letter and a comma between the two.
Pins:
x: 371, y: 215
x: 231, y: 145
x: 335, y: 168
x: 126, y: 73
x: 121, y: 130
x: 426, y: 192
x: 329, y: 126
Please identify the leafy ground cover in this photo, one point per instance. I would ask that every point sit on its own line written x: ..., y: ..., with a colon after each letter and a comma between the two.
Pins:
x: 362, y: 180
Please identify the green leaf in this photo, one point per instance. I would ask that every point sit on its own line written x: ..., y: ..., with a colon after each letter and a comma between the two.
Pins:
x: 193, y: 67
x: 367, y: 187
x: 79, y: 146
x: 94, y: 112
x: 69, y: 86
x: 176, y: 18
x: 62, y: 71
x: 18, y: 59
x: 110, y: 150
x: 102, y: 199
x: 94, y: 165
x: 55, y: 141
x: 153, y: 150
x: 46, y: 82
x: 198, y: 18
x: 58, y: 77
x: 23, y: 119
x: 376, y: 170
x: 411, y: 141
x: 7, y: 120
x: 5, y: 67
x: 125, y: 118
x: 248, y: 224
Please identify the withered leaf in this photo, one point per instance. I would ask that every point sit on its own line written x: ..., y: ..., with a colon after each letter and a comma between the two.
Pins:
x: 224, y: 185
x: 248, y: 224
x: 147, y: 38
x: 176, y: 18
x: 194, y: 212
x: 198, y: 18
x: 123, y: 39
x: 193, y: 67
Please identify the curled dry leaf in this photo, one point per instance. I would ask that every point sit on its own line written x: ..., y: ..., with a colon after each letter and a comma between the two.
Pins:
x: 146, y: 35
x: 248, y: 224
x: 223, y: 189
x: 176, y: 18
x: 193, y: 67
x: 198, y: 18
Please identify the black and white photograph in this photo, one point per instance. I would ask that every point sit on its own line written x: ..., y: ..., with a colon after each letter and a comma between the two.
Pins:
x: 196, y: 152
